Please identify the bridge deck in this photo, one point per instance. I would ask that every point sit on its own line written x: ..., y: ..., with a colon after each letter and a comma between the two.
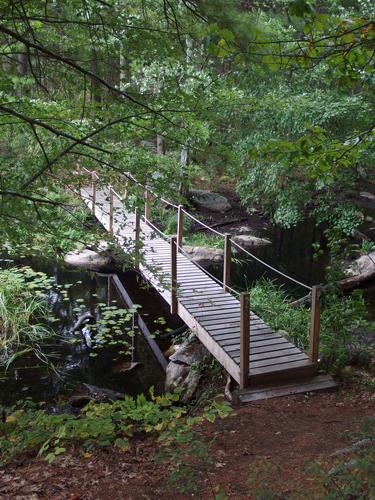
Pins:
x: 212, y: 313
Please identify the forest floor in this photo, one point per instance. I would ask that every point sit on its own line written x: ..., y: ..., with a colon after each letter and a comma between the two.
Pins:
x: 262, y: 449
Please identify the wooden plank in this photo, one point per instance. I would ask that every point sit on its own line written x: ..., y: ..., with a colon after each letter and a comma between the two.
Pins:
x: 278, y: 361
x: 264, y: 344
x: 292, y: 366
x: 313, y: 384
x: 213, y: 314
x: 208, y: 304
x: 221, y: 328
x: 219, y: 297
x: 211, y: 288
x: 230, y: 324
x: 269, y: 355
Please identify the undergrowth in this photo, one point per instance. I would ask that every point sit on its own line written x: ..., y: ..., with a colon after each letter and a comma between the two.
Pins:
x: 201, y: 239
x: 340, y: 317
x: 28, y: 427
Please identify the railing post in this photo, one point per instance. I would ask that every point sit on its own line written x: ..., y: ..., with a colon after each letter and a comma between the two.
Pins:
x: 173, y: 241
x: 227, y: 261
x: 180, y: 227
x: 94, y: 179
x: 147, y: 204
x: 315, y: 325
x: 137, y: 230
x: 126, y: 189
x: 244, y: 339
x: 110, y: 210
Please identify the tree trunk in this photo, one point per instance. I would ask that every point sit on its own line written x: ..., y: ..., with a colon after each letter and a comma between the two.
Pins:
x: 159, y: 144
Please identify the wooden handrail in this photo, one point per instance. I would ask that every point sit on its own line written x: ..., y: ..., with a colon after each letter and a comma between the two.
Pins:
x: 244, y: 339
x: 227, y: 261
x: 173, y: 275
x: 314, y: 325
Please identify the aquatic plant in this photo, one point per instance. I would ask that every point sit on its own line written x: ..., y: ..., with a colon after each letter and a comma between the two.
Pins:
x: 23, y: 313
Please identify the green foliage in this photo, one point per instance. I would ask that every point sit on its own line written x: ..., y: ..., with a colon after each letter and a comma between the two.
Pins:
x: 340, y: 318
x: 271, y: 303
x: 202, y: 239
x: 28, y: 427
x: 23, y: 313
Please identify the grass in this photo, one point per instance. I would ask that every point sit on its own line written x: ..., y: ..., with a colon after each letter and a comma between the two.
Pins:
x: 23, y: 307
x: 204, y: 240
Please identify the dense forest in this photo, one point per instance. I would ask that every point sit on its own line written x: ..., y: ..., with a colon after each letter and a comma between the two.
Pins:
x: 268, y: 103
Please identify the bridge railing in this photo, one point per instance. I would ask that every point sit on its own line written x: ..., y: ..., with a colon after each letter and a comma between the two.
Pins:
x: 176, y: 244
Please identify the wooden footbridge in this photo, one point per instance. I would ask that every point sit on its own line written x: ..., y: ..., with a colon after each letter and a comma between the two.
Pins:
x: 255, y: 356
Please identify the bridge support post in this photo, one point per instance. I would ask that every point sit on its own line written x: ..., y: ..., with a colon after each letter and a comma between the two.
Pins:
x: 315, y: 325
x: 180, y: 227
x: 137, y: 243
x: 244, y: 339
x: 147, y: 204
x: 126, y: 189
x: 110, y: 210
x: 173, y: 241
x: 94, y: 179
x: 227, y: 261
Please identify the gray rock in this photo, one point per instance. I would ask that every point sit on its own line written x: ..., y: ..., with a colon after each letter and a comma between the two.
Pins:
x: 212, y: 201
x: 363, y: 264
x: 185, y: 368
x: 250, y: 241
x: 205, y: 256
x: 90, y: 260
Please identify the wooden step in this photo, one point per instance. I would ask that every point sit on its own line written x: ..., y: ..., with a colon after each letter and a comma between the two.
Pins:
x: 317, y: 383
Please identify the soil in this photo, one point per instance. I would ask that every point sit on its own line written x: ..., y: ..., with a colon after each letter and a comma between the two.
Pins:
x: 271, y: 440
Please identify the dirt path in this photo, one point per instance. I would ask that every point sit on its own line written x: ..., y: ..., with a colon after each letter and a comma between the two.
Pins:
x: 265, y: 446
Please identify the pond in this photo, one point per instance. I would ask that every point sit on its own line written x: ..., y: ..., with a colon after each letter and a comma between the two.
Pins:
x: 74, y: 361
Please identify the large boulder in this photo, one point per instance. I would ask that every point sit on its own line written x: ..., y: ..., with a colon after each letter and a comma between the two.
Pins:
x: 102, y: 260
x: 205, y: 256
x: 90, y: 260
x: 211, y: 201
x: 185, y: 368
x: 250, y: 241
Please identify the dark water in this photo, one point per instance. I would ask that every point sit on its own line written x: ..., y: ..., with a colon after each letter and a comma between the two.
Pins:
x: 73, y: 363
